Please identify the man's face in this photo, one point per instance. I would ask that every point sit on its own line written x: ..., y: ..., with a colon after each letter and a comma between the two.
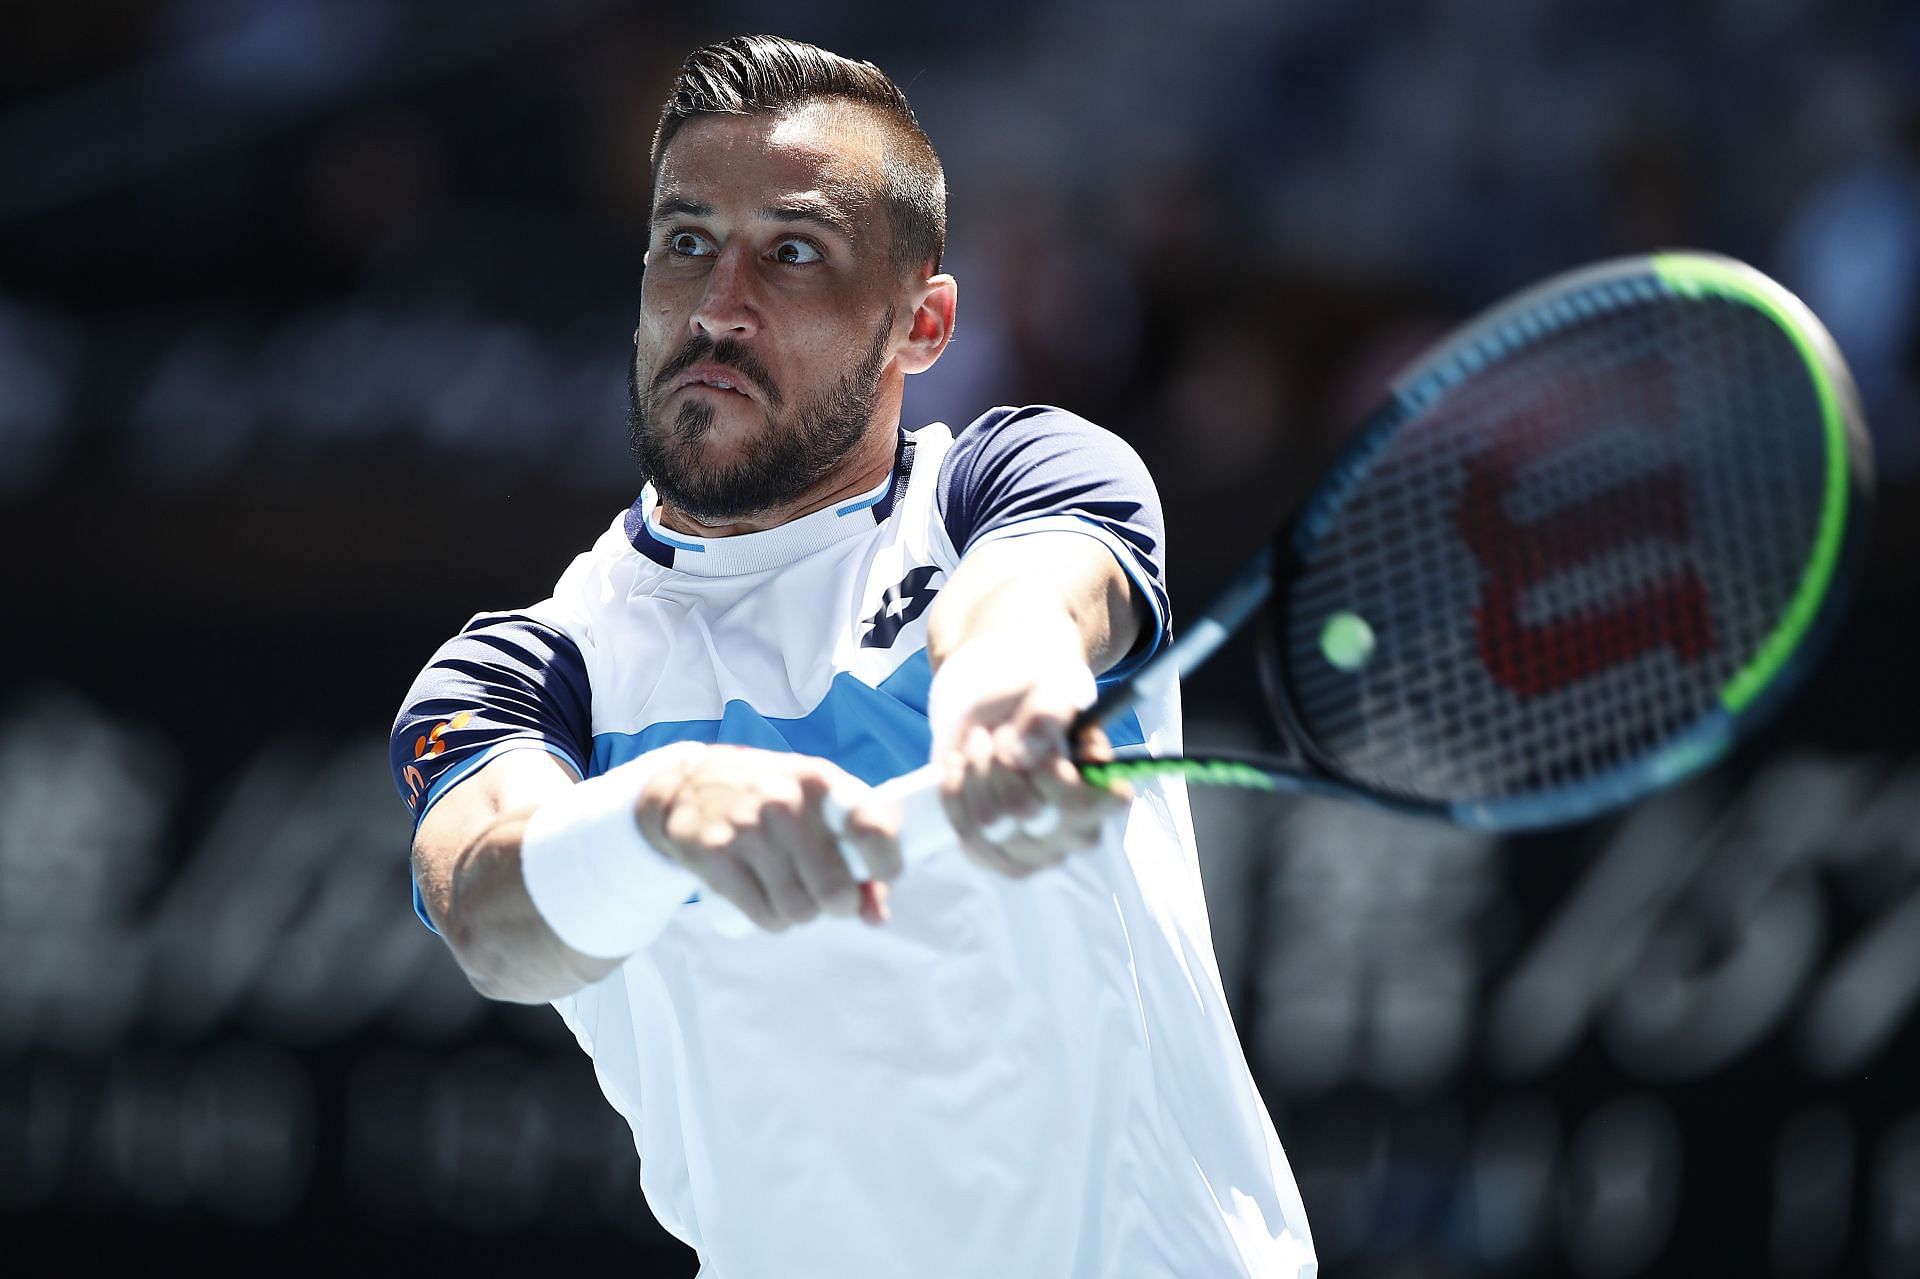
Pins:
x: 767, y: 312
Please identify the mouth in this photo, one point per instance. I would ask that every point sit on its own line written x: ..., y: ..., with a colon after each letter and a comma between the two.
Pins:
x: 712, y: 377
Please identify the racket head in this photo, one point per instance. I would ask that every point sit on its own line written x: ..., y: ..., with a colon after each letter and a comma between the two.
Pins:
x: 1585, y: 543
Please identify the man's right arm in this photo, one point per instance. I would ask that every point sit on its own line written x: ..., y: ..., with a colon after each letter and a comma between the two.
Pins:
x: 493, y: 736
x: 749, y: 825
x: 466, y: 863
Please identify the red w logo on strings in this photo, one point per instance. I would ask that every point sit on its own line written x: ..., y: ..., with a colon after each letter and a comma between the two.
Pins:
x: 1668, y: 612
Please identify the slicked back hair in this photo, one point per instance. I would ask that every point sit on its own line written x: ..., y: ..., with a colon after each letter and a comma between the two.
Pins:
x: 749, y: 75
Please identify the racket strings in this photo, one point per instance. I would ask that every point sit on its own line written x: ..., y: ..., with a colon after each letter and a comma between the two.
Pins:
x: 1565, y: 555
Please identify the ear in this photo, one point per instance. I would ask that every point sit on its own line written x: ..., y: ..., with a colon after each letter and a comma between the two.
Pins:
x: 932, y: 324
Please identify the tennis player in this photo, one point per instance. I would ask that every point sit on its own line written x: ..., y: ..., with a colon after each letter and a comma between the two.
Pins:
x: 1014, y: 1059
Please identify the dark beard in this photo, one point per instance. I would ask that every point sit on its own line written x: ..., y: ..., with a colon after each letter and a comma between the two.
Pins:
x: 796, y: 453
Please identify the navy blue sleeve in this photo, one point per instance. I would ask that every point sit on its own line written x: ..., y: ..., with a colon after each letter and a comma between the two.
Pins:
x: 506, y: 678
x: 1014, y: 466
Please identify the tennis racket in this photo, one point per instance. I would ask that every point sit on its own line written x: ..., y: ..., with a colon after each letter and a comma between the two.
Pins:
x: 1587, y: 541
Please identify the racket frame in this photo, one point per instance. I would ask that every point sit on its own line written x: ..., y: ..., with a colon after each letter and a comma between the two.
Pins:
x: 1753, y: 693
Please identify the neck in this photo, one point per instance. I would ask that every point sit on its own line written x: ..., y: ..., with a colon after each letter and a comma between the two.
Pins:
x: 863, y: 468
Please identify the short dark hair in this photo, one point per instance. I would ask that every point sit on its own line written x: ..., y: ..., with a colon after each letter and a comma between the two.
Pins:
x: 750, y: 74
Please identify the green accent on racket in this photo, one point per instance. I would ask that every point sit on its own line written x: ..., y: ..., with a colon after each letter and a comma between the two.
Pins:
x: 1695, y: 275
x: 1210, y: 772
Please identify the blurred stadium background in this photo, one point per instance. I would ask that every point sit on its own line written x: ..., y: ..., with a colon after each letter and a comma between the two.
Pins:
x: 313, y: 321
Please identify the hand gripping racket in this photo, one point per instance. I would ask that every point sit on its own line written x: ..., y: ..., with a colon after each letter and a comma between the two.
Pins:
x: 1586, y: 542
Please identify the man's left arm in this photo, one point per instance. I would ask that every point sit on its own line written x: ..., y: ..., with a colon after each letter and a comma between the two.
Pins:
x: 1015, y: 639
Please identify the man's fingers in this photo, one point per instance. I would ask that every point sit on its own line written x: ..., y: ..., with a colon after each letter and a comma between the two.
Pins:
x: 876, y: 837
x: 958, y: 798
x: 1093, y: 744
x: 1059, y: 783
x: 708, y: 849
x: 1053, y: 782
x: 776, y: 870
x: 1043, y: 823
x: 953, y: 769
x: 1016, y: 802
x: 817, y: 862
x: 727, y: 877
x: 871, y: 831
x: 996, y: 789
x: 995, y: 858
x: 1009, y: 783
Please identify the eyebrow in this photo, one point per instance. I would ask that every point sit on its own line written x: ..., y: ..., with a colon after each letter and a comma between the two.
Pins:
x: 818, y: 212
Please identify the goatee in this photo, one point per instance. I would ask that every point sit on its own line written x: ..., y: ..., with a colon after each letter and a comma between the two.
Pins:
x: 795, y: 453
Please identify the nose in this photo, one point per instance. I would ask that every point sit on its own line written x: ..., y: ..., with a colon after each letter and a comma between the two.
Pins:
x: 728, y: 308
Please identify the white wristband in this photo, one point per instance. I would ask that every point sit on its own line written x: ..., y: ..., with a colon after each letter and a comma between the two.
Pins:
x: 601, y: 887
x: 994, y: 663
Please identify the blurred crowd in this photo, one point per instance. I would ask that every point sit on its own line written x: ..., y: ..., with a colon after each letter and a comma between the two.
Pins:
x: 240, y: 236
x: 314, y: 324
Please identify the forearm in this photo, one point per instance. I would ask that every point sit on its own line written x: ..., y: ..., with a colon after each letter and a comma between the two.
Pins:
x: 498, y: 937
x: 1015, y: 639
x: 540, y: 884
x: 1054, y: 591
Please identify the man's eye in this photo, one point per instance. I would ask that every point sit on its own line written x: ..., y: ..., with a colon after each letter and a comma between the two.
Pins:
x: 796, y: 253
x: 688, y: 244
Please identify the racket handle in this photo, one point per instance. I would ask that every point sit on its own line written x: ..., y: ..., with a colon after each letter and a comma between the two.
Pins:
x: 914, y: 801
x: 913, y: 798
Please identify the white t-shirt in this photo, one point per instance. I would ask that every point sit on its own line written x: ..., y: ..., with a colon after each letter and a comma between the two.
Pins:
x: 1031, y: 1077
